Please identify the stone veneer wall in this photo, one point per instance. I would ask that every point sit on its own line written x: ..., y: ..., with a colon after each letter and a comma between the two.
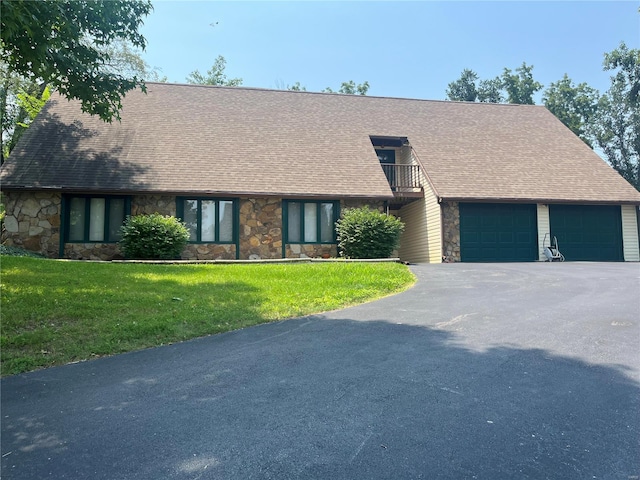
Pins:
x: 451, y: 231
x: 32, y: 221
x: 311, y: 250
x: 260, y: 228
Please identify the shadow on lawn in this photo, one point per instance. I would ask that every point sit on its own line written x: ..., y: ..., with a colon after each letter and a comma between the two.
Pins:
x: 319, y: 398
x: 87, y: 315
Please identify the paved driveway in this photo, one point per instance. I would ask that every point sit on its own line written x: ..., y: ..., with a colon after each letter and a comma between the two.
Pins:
x: 516, y: 371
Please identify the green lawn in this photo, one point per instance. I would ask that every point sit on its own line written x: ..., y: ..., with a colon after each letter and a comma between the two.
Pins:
x: 56, y: 312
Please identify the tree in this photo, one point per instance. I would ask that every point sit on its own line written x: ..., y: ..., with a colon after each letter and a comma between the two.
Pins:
x: 510, y: 87
x: 574, y: 105
x: 520, y: 86
x: 21, y: 98
x: 215, y: 75
x: 13, y: 115
x: 296, y: 87
x: 126, y: 60
x: 616, y: 126
x: 61, y: 43
x: 350, y: 88
x: 490, y: 91
x: 464, y: 89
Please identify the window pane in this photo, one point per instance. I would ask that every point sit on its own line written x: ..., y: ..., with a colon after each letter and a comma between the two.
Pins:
x: 96, y: 222
x: 326, y: 223
x: 310, y: 222
x: 116, y: 218
x: 293, y: 218
x: 208, y: 227
x: 191, y: 218
x: 226, y: 221
x: 76, y: 219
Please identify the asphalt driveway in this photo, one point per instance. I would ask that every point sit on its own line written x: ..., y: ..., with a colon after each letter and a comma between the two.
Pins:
x: 515, y: 371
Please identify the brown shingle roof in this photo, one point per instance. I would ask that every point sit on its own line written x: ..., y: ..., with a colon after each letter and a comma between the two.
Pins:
x: 184, y: 138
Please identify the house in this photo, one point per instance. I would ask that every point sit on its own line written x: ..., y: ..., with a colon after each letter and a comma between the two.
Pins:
x: 260, y: 173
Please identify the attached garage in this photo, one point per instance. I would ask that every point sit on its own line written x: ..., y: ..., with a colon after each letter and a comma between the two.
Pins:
x: 496, y: 232
x: 588, y: 232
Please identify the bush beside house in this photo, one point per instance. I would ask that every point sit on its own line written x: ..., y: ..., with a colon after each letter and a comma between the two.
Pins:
x: 365, y: 233
x: 153, y: 237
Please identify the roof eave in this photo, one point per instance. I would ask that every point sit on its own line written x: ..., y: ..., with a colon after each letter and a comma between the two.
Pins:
x: 213, y: 193
x: 544, y: 201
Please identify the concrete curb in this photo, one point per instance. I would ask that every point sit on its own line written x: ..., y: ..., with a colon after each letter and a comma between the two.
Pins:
x: 273, y: 260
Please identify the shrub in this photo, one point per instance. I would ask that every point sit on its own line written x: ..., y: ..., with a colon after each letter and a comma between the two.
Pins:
x: 154, y: 236
x: 364, y: 233
x: 18, y: 252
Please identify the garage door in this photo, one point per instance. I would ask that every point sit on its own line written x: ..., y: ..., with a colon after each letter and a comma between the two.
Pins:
x: 587, y: 232
x: 494, y: 232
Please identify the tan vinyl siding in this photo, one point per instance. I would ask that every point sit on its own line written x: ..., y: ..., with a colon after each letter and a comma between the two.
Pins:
x: 630, y: 233
x: 414, y: 241
x: 403, y: 156
x: 543, y: 229
x: 422, y: 239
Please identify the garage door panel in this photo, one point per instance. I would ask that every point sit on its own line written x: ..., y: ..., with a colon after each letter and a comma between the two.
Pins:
x: 507, y: 237
x: 587, y: 232
x: 498, y: 232
x: 524, y: 238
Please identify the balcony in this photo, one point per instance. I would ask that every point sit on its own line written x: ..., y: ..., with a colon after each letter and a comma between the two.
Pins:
x: 404, y: 180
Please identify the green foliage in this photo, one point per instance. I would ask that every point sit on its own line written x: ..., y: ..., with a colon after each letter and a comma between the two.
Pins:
x: 58, y: 312
x: 32, y: 104
x: 490, y: 91
x: 153, y: 236
x: 62, y: 43
x: 365, y: 233
x: 13, y: 116
x: 350, y: 88
x: 520, y: 86
x: 510, y: 87
x: 296, y: 87
x: 616, y: 126
x: 17, y: 251
x: 575, y: 106
x: 215, y: 75
x: 126, y: 60
x: 464, y: 89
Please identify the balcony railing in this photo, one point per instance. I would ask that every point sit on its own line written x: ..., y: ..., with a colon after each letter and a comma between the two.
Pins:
x: 404, y: 180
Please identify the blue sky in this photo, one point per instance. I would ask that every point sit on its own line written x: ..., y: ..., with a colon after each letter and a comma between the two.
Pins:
x: 403, y: 49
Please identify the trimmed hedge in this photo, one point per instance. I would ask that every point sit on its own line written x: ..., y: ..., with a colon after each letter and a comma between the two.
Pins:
x: 153, y: 237
x: 364, y: 233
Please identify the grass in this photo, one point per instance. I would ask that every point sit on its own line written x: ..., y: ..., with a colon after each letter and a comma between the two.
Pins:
x: 59, y: 312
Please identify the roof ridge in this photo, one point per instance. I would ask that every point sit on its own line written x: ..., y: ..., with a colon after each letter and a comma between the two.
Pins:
x: 302, y: 92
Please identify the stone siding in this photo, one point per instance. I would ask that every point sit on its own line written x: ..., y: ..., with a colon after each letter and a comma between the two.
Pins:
x: 32, y: 221
x: 311, y: 250
x: 451, y: 231
x: 209, y: 251
x: 260, y: 228
x: 92, y: 251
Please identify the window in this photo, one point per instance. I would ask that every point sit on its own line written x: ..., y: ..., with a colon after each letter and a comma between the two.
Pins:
x: 310, y: 221
x: 208, y: 220
x: 95, y: 219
